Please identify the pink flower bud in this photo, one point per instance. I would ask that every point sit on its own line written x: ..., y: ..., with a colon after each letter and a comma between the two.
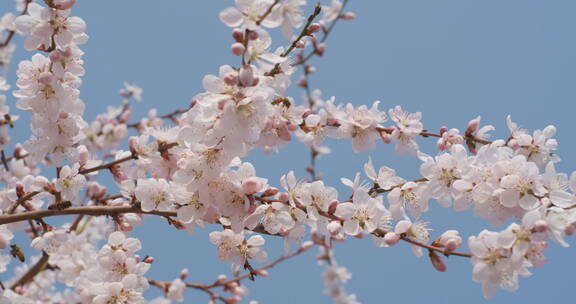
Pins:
x: 133, y: 144
x: 300, y: 44
x: 124, y: 226
x: 270, y: 191
x: 320, y: 49
x: 437, y: 261
x: 3, y: 243
x: 473, y: 125
x: 184, y: 273
x: 262, y: 272
x: 63, y: 4
x: 94, y: 189
x: 391, y: 238
x: 83, y: 155
x: 148, y: 260
x: 45, y: 78
x: 348, y: 16
x: 313, y: 28
x: 451, y: 245
x: 253, y: 35
x: 540, y: 226
x: 238, y: 35
x: 237, y: 49
x: 307, y: 245
x: 239, y: 291
x: 246, y: 76
x: 302, y: 82
x: 20, y: 189
x: 124, y: 117
x: 283, y: 197
x: 251, y: 185
x: 334, y: 227
x: 332, y: 206
x: 221, y: 278
x: 443, y: 130
x: 310, y: 69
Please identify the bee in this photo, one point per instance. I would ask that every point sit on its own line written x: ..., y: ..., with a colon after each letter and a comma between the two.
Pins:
x: 60, y: 206
x: 17, y: 253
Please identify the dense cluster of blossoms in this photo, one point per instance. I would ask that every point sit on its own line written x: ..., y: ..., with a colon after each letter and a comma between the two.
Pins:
x: 191, y: 171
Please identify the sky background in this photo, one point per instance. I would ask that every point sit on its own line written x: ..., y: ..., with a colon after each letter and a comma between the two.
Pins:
x: 451, y: 60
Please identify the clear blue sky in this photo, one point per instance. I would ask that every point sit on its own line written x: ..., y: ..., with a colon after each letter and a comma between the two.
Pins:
x: 450, y: 59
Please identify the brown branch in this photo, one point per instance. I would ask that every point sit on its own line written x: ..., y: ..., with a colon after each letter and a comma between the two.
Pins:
x: 270, y: 265
x: 305, y: 32
x: 11, y: 33
x: 164, y: 286
x: 268, y: 11
x: 89, y: 210
x: 326, y: 34
x: 170, y: 116
x: 107, y: 165
x: 32, y: 272
x: 22, y: 200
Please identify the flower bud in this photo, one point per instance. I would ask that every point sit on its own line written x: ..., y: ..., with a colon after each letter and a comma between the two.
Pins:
x: 238, y: 35
x: 221, y: 278
x: 83, y: 155
x: 270, y: 191
x: 133, y: 144
x: 451, y: 245
x: 391, y: 238
x: 437, y: 261
x: 320, y: 49
x: 348, y: 16
x: 237, y: 49
x: 148, y: 260
x: 307, y: 245
x: 252, y: 35
x: 332, y: 206
x: 124, y: 226
x: 313, y: 28
x: 302, y: 82
x: 63, y: 4
x: 443, y: 129
x: 184, y: 273
x: 300, y: 44
x: 3, y: 242
x: 473, y: 125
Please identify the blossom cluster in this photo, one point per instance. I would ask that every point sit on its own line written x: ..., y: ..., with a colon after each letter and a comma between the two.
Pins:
x: 192, y: 173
